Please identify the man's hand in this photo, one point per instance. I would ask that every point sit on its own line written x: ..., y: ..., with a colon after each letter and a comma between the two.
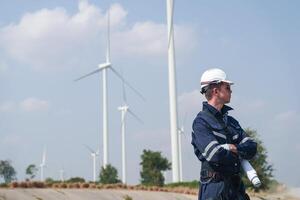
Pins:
x: 233, y: 148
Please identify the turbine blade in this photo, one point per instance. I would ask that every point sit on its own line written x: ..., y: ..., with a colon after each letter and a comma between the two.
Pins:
x: 108, y: 37
x: 184, y: 118
x: 135, y: 116
x: 91, y: 73
x: 44, y: 157
x: 123, y: 89
x: 89, y: 148
x: 128, y: 84
x: 123, y: 120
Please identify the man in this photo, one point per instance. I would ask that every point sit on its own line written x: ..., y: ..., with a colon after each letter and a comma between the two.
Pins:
x: 212, y: 129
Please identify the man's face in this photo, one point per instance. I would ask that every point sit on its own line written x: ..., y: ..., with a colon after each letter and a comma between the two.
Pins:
x: 224, y: 93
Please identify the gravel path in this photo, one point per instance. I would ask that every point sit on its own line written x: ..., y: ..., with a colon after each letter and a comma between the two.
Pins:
x: 88, y: 194
x: 93, y: 194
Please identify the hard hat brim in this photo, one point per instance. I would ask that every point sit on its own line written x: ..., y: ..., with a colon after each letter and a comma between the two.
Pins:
x: 204, y: 84
x: 229, y: 82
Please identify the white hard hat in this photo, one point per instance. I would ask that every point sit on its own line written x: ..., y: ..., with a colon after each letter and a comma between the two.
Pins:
x: 214, y: 75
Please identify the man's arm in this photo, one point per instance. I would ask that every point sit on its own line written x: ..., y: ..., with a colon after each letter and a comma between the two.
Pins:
x: 207, y: 147
x: 246, y: 146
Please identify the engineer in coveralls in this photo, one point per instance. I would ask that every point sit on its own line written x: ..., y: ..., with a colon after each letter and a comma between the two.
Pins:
x: 220, y: 175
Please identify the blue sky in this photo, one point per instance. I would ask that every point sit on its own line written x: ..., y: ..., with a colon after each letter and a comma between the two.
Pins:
x: 45, y: 45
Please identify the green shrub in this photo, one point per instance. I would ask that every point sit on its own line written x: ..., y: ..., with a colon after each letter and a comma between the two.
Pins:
x: 191, y: 184
x: 76, y: 180
x: 109, y: 175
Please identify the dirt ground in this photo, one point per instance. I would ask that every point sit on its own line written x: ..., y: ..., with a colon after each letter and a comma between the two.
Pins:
x: 93, y: 194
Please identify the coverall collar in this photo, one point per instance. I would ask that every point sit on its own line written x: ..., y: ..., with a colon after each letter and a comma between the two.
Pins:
x: 214, y: 111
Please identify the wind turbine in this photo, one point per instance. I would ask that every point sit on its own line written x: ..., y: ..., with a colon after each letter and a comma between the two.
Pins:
x: 61, y: 175
x: 94, y: 154
x: 43, y: 164
x: 172, y: 92
x: 124, y: 109
x: 104, y: 67
x: 180, y: 133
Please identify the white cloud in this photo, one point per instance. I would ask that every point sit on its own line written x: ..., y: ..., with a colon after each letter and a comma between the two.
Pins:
x: 161, y: 136
x: 52, y: 38
x: 3, y: 66
x: 7, y: 106
x: 290, y: 115
x: 246, y: 105
x: 33, y: 104
x: 12, y: 140
x: 190, y: 102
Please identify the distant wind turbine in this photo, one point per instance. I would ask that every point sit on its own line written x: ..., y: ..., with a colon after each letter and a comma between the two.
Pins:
x: 43, y: 164
x: 124, y: 109
x: 61, y: 175
x: 94, y: 154
x: 180, y: 133
x: 103, y: 68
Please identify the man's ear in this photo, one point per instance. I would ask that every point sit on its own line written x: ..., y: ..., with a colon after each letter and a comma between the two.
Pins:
x: 215, y: 90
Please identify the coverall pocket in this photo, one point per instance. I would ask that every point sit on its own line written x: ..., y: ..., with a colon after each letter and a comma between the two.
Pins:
x: 212, y: 191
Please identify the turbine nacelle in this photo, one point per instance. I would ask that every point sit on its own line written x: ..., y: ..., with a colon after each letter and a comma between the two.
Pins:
x: 104, y: 65
x: 123, y: 108
x: 181, y: 130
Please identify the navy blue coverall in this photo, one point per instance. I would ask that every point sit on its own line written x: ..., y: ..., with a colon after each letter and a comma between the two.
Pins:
x: 220, y: 168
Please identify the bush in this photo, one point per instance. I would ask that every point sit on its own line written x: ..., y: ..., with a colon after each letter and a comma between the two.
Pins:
x: 14, y: 184
x: 84, y: 185
x: 23, y: 185
x: 259, y: 162
x: 152, y: 166
x: 76, y: 180
x: 38, y: 184
x: 7, y: 172
x: 191, y: 184
x: 3, y: 185
x: 109, y: 175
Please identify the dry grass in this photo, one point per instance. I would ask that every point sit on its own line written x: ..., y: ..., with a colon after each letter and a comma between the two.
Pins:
x: 63, y: 185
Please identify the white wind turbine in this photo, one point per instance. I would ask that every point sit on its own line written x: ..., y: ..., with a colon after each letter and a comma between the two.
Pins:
x: 124, y: 109
x: 172, y: 92
x: 94, y: 155
x: 103, y: 68
x: 43, y: 164
x: 61, y: 175
x: 180, y: 133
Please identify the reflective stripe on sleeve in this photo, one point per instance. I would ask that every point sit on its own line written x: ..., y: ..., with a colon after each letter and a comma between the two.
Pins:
x: 235, y: 137
x: 212, y: 153
x: 219, y: 135
x: 208, y: 147
x: 245, y: 139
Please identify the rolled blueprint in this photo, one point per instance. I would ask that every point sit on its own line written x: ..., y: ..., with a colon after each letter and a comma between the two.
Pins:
x: 247, y: 167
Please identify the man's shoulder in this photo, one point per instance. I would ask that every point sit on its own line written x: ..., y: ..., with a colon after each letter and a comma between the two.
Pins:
x: 233, y: 121
x: 204, y: 119
x: 201, y: 116
x: 200, y: 119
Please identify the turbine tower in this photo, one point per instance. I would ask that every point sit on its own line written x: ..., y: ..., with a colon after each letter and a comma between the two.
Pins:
x: 180, y: 133
x: 94, y: 154
x: 61, y: 175
x: 172, y: 92
x: 104, y: 67
x: 43, y: 164
x: 124, y: 109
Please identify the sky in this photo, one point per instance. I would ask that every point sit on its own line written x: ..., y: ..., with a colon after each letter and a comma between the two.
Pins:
x: 45, y: 45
